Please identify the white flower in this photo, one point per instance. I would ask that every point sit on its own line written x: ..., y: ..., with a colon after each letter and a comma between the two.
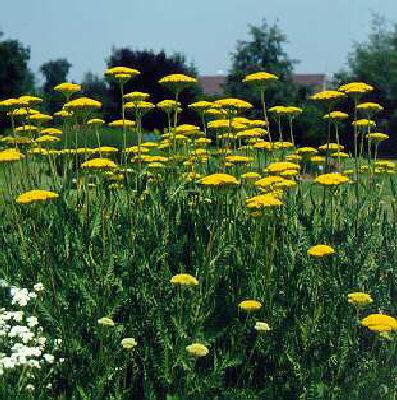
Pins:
x: 30, y: 387
x: 31, y: 321
x: 3, y: 283
x: 19, y: 296
x: 48, y: 358
x: 38, y: 287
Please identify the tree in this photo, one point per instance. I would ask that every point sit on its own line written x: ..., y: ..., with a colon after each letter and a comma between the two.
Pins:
x: 152, y: 67
x: 15, y: 76
x: 263, y: 51
x: 55, y: 72
x: 375, y: 61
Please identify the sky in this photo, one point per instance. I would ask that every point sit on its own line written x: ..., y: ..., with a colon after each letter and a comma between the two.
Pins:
x: 320, y: 32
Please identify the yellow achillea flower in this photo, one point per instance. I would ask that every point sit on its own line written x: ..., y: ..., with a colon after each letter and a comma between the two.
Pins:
x: 9, y: 104
x: 121, y: 72
x: 99, y: 163
x: 106, y: 321
x: 250, y: 305
x: 306, y: 150
x: 359, y: 299
x: 120, y: 123
x: 320, y: 250
x: 370, y: 106
x: 281, y: 166
x: 105, y: 149
x: 385, y: 164
x: 295, y: 158
x: 10, y: 155
x: 282, y: 145
x: 331, y: 147
x: 268, y: 181
x: 233, y: 104
x: 136, y: 96
x: 177, y: 79
x: 356, y: 88
x: 184, y: 280
x: 339, y: 154
x: 263, y: 145
x: 47, y: 139
x: 333, y: 179
x: 67, y: 88
x: 336, y: 115
x: 262, y: 327
x: 219, y: 180
x: 83, y: 103
x: 136, y: 149
x: 238, y: 159
x: 27, y: 128
x: 250, y: 176
x: 285, y: 110
x: 187, y: 129
x: 40, y: 117
x: 327, y: 95
x: 252, y: 133
x: 197, y: 350
x: 128, y: 343
x: 37, y: 195
x: 260, y: 77
x: 266, y: 200
x: 380, y: 322
x: 30, y: 100
x: 168, y: 105
x: 364, y: 123
x: 63, y: 114
x: 201, y: 105
x: 96, y: 121
x: 318, y: 160
x: 21, y: 112
x: 51, y: 131
x: 377, y: 136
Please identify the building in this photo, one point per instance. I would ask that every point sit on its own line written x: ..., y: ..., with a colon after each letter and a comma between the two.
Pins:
x: 213, y: 85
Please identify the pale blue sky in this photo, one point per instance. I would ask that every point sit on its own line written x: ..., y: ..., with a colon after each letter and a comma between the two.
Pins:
x: 320, y: 32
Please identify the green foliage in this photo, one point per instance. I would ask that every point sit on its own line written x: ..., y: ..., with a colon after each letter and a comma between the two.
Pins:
x: 55, y: 72
x: 374, y: 61
x: 15, y: 76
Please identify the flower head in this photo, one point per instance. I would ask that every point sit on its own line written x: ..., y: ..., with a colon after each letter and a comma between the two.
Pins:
x: 380, y: 322
x: 356, y: 88
x: 219, y: 180
x: 359, y: 299
x: 250, y: 305
x: 37, y: 195
x: 106, y: 321
x: 197, y: 350
x: 184, y: 280
x: 128, y: 343
x: 334, y: 179
x: 320, y: 250
x: 260, y: 78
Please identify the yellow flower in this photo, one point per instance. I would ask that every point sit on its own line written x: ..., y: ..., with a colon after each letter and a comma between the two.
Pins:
x: 9, y: 104
x: 168, y: 105
x: 51, y: 131
x: 105, y: 149
x: 364, y: 123
x: 36, y: 195
x: 47, y: 139
x: 83, y: 103
x: 370, y: 106
x: 67, y: 88
x: 331, y: 147
x: 327, y: 95
x: 238, y: 159
x: 281, y: 166
x: 27, y: 128
x: 333, y: 179
x: 250, y: 305
x: 63, y: 114
x: 120, y: 123
x: 250, y: 176
x: 201, y: 105
x: 99, y: 163
x: 106, y: 321
x: 233, y: 104
x: 306, y: 151
x: 380, y: 322
x: 339, y: 154
x: 128, y: 343
x: 184, y: 280
x: 266, y: 200
x: 377, y: 136
x: 177, y: 79
x: 10, y: 155
x: 136, y: 96
x: 197, y: 350
x: 30, y: 100
x: 263, y: 145
x: 219, y: 180
x: 95, y: 121
x: 121, y: 73
x: 260, y: 77
x: 187, y: 129
x: 336, y: 115
x: 40, y: 117
x: 356, y: 88
x: 359, y: 299
x: 262, y: 327
x: 320, y: 250
x: 136, y: 149
x: 252, y: 133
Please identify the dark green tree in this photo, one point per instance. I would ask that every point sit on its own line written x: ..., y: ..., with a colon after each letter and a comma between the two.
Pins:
x: 152, y: 67
x: 15, y: 76
x: 375, y: 61
x: 263, y: 51
x: 54, y: 72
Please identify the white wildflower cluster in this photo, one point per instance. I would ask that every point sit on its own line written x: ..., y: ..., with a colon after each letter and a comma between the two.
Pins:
x: 22, y: 341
